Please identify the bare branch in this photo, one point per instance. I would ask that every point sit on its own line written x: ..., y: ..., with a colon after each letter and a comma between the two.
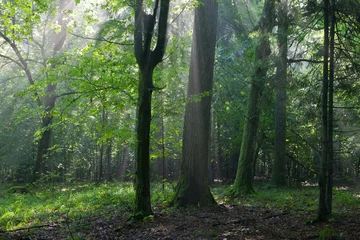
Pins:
x: 304, y: 60
x: 102, y: 39
x: 23, y: 63
x: 12, y: 60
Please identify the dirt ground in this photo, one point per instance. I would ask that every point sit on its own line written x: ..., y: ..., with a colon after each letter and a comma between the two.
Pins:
x: 221, y: 222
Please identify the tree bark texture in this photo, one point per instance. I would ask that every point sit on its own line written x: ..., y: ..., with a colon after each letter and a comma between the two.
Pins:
x: 244, y: 174
x: 193, y: 186
x: 147, y: 60
x: 278, y: 177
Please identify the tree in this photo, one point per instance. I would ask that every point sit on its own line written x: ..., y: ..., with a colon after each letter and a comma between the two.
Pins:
x: 244, y: 175
x: 44, y: 143
x: 278, y: 175
x: 326, y: 174
x: 13, y: 39
x: 147, y: 59
x: 193, y: 186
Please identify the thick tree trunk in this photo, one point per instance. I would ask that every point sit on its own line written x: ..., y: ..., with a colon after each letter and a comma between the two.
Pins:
x: 278, y: 175
x: 193, y: 186
x: 45, y: 140
x: 142, y: 201
x: 244, y: 176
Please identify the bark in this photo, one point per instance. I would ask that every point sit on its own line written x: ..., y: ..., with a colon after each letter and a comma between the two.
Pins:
x: 331, y: 110
x: 147, y: 60
x: 244, y: 176
x: 193, y: 186
x: 323, y: 213
x: 278, y: 175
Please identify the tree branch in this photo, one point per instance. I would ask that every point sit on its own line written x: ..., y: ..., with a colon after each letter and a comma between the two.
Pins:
x: 23, y: 63
x: 304, y: 60
x: 102, y: 39
x: 12, y: 60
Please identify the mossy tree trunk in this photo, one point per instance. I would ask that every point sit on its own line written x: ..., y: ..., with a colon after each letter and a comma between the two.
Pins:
x: 193, y: 186
x: 147, y: 60
x: 244, y: 174
x: 278, y: 177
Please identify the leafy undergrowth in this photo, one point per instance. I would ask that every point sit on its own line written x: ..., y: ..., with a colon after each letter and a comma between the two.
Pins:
x: 89, y: 211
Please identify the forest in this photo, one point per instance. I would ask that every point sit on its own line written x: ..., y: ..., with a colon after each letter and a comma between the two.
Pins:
x: 182, y: 119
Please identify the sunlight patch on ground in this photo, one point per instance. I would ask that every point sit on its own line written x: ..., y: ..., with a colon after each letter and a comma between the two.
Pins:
x: 307, y: 184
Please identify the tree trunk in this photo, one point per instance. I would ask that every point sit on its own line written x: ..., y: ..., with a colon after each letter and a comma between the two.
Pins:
x: 244, y: 176
x: 278, y: 175
x: 323, y: 213
x: 45, y: 140
x: 331, y: 110
x: 44, y: 144
x: 193, y: 186
x: 101, y: 157
x: 147, y: 60
x: 217, y: 149
x: 108, y: 162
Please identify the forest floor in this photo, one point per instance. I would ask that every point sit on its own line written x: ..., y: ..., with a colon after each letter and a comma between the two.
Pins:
x: 270, y: 214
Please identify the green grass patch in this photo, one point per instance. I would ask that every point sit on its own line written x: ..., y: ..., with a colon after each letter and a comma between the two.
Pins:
x: 47, y: 204
x: 296, y: 200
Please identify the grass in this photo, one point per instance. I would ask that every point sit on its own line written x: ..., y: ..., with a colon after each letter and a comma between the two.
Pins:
x: 52, y: 204
x: 296, y: 200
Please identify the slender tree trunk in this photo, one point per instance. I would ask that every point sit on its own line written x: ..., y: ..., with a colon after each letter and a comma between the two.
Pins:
x: 323, y: 212
x: 162, y: 144
x: 218, y: 157
x: 124, y: 155
x: 331, y: 109
x: 108, y: 162
x: 147, y: 60
x: 244, y: 175
x: 142, y: 202
x: 278, y: 175
x: 101, y: 171
x: 193, y: 186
